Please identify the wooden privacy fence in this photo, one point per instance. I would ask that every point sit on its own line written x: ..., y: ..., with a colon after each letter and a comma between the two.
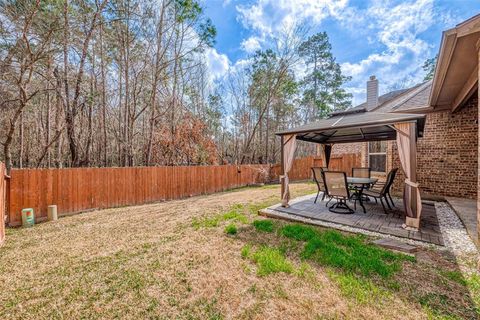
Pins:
x: 80, y: 189
x: 301, y: 167
x: 345, y: 162
x: 3, y: 194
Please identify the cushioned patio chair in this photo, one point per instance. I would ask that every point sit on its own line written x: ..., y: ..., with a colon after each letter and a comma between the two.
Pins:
x: 317, y: 173
x: 382, y: 190
x: 337, y: 188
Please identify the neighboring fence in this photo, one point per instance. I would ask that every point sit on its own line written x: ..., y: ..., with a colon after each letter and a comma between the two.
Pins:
x: 79, y: 189
x: 3, y: 205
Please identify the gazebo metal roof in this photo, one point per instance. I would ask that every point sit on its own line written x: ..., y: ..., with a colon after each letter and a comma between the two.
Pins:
x: 355, y: 126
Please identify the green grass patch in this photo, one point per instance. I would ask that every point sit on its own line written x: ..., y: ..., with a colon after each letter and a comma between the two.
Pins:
x: 263, y: 225
x: 246, y: 251
x: 437, y: 306
x: 253, y: 208
x: 235, y: 213
x: 235, y: 216
x: 305, y: 271
x: 271, y: 260
x: 299, y: 232
x: 352, y: 254
x: 473, y: 284
x: 231, y: 229
x: 455, y: 276
x: 205, y: 222
x: 359, y: 289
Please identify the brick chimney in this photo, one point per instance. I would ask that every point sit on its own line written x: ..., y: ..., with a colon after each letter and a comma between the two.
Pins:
x: 372, y: 93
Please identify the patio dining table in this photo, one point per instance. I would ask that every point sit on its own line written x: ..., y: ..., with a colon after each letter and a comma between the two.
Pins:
x: 360, y: 184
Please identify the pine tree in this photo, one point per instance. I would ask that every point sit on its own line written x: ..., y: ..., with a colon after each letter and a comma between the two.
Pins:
x: 429, y: 68
x: 322, y: 86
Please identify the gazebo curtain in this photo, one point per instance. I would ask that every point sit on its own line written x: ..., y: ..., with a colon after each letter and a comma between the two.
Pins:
x: 289, y: 146
x: 406, y: 142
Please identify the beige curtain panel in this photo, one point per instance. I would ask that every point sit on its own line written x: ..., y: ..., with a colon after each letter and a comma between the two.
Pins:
x: 289, y: 146
x: 406, y: 151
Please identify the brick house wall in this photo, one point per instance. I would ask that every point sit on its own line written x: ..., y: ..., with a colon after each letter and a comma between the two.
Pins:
x: 360, y: 148
x: 446, y: 155
x: 343, y: 148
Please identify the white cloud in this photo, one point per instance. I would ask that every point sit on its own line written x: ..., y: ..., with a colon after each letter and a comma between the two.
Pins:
x: 252, y: 44
x: 217, y: 63
x: 270, y: 16
x: 394, y: 27
x: 397, y: 28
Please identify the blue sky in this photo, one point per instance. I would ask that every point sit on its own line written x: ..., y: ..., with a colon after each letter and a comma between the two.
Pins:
x: 389, y: 39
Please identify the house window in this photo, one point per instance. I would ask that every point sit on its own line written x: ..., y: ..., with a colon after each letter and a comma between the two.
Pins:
x: 377, y: 156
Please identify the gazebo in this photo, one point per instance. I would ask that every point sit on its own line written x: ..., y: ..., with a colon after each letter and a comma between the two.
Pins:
x: 361, y: 126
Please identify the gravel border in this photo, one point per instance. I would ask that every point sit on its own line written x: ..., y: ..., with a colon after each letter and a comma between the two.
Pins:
x: 453, y: 231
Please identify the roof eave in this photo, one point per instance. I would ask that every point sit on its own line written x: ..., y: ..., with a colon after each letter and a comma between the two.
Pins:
x: 447, y: 48
x: 420, y: 109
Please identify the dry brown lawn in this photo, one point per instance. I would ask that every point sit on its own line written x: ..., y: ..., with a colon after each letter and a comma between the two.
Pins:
x: 171, y: 260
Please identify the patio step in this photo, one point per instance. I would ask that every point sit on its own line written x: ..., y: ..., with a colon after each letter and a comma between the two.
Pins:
x: 395, y: 245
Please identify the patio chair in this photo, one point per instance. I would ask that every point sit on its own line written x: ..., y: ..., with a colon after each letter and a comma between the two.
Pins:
x: 318, y: 178
x: 337, y: 188
x: 380, y: 184
x: 384, y: 191
x: 361, y: 172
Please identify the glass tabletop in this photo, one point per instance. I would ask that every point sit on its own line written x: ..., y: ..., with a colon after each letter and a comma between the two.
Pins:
x: 354, y: 180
